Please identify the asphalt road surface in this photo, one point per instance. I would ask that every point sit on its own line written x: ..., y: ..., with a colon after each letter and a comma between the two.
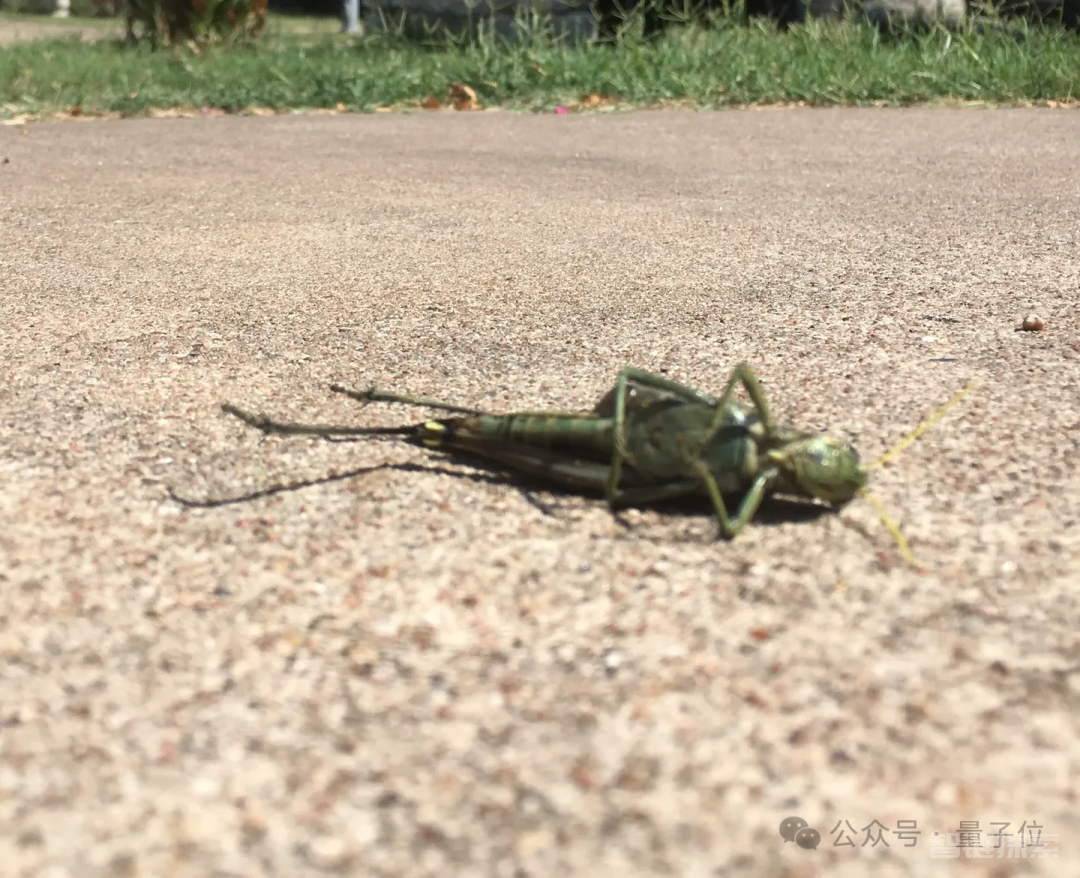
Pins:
x: 13, y: 30
x: 425, y: 670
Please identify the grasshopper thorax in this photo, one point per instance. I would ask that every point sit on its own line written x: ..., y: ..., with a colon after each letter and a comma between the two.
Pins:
x: 820, y: 467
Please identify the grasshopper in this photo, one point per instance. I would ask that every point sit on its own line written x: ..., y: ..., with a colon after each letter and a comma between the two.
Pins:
x: 648, y: 439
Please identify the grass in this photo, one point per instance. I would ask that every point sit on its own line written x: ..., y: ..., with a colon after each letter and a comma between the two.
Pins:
x: 703, y: 67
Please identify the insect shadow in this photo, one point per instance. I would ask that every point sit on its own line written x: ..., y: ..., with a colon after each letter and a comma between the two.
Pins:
x: 289, y: 487
x: 773, y: 511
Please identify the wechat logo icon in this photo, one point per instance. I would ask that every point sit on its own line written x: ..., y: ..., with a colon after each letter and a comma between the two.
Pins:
x: 799, y: 831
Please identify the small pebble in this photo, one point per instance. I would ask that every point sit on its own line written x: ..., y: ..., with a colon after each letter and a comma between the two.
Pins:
x: 1033, y: 323
x: 330, y: 853
x: 206, y: 787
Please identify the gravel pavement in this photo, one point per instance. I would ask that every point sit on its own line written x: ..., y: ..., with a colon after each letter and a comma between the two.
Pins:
x: 400, y: 672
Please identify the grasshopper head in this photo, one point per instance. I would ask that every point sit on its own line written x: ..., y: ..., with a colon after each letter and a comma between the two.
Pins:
x: 821, y: 467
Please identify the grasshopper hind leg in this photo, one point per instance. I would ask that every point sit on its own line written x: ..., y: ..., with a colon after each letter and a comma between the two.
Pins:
x: 741, y: 374
x: 744, y: 375
x: 372, y: 394
x: 620, y: 451
x: 287, y: 428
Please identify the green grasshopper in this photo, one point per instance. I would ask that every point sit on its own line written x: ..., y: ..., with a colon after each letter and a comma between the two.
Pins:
x: 648, y: 439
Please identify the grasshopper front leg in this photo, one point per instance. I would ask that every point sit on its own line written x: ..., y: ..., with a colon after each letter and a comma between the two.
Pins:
x: 729, y: 526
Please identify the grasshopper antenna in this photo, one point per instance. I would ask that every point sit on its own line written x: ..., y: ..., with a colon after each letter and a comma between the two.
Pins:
x: 898, y: 538
x: 892, y: 454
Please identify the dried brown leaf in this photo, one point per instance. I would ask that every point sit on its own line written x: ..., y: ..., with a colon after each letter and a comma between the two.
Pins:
x: 462, y: 96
